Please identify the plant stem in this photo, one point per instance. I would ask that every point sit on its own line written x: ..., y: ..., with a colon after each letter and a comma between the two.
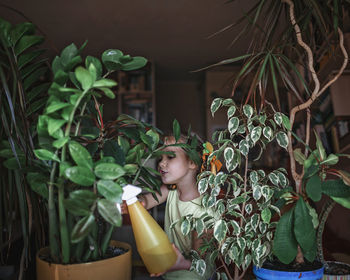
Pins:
x: 106, y: 238
x: 53, y: 230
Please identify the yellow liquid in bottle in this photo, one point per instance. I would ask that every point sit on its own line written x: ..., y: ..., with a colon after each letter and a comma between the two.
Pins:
x: 152, y: 242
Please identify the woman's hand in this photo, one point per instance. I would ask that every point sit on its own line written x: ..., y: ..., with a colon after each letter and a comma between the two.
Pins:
x: 180, y: 264
x: 124, y: 207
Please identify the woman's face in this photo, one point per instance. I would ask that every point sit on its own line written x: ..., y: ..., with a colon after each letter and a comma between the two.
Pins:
x: 174, y: 169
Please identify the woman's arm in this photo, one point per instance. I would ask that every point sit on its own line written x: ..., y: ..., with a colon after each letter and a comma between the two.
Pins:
x: 148, y: 200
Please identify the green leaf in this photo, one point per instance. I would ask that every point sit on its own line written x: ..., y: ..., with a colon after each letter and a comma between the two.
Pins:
x: 108, y: 92
x: 176, y: 130
x: 215, y: 105
x: 278, y: 118
x: 109, y: 171
x: 59, y: 143
x: 201, y: 267
x: 97, y: 64
x: 314, y: 188
x: 136, y: 63
x: 80, y: 155
x: 46, y: 155
x: 282, y: 139
x: 84, y: 77
x: 335, y: 188
x: 68, y: 53
x: 83, y: 196
x: 21, y: 29
x: 228, y: 154
x: 320, y: 148
x: 104, y: 83
x: 266, y: 215
x: 286, y: 122
x: 284, y: 243
x: 330, y: 160
x: 109, y: 211
x: 200, y: 226
x: 54, y: 124
x: 155, y: 138
x: 55, y: 106
x: 220, y: 230
x: 110, y: 59
x: 82, y: 228
x: 233, y: 124
x: 202, y: 185
x: 343, y: 201
x: 110, y: 190
x: 299, y: 156
x: 304, y: 230
x: 38, y: 184
x: 26, y: 42
x: 80, y: 175
x: 76, y: 207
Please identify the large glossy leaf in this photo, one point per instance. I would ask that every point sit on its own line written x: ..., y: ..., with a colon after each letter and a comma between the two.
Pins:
x: 304, y: 230
x: 110, y: 59
x: 80, y: 175
x: 136, y: 63
x: 314, y: 188
x: 110, y: 190
x: 76, y: 207
x: 284, y: 243
x: 38, y: 184
x: 335, y: 188
x: 54, y: 124
x: 109, y: 171
x: 80, y: 154
x: 46, y: 155
x: 84, y: 77
x: 112, y: 149
x: 85, y: 197
x: 110, y: 212
x: 343, y: 201
x: 82, y: 228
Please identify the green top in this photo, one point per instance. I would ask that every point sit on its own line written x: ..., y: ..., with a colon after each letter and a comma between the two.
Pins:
x: 174, y: 211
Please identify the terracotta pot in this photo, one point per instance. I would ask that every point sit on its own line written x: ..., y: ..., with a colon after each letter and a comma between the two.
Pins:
x: 116, y: 268
x: 328, y: 276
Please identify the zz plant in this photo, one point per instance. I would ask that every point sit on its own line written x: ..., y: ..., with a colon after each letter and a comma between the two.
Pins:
x: 84, y: 162
x: 242, y: 199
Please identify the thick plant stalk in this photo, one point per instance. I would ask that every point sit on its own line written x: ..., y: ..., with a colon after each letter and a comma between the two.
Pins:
x: 316, y: 92
x: 327, y: 208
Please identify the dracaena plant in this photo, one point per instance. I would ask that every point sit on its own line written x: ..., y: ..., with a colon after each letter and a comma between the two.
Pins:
x: 239, y: 197
x: 85, y: 162
x: 23, y: 71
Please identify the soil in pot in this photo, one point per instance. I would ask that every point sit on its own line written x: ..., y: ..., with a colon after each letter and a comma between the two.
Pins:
x: 275, y: 264
x: 337, y: 268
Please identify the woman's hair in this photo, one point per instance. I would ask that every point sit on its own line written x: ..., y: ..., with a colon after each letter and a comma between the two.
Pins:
x: 193, y: 145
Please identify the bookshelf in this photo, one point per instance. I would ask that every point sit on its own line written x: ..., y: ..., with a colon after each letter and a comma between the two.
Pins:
x: 136, y: 93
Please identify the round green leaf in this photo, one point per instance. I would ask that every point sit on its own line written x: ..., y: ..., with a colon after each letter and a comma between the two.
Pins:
x: 110, y: 190
x: 109, y: 171
x: 80, y: 154
x: 80, y: 175
x: 110, y: 59
x: 110, y: 212
x: 136, y: 63
x: 314, y: 188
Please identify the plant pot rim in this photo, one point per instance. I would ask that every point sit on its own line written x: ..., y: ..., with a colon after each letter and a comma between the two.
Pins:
x: 125, y: 245
x: 338, y: 263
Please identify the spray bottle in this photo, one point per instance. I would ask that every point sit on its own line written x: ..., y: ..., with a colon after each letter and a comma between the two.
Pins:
x: 152, y: 242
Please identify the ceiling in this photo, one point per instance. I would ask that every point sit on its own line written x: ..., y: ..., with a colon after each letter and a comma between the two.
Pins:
x: 171, y: 32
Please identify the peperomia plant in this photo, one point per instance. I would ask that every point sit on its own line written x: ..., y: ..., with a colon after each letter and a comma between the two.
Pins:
x: 84, y: 161
x: 242, y: 198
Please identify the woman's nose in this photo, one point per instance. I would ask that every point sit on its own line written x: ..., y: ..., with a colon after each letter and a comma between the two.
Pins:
x: 162, y: 163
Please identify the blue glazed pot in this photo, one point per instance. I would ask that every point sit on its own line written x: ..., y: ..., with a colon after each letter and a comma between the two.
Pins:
x: 268, y: 274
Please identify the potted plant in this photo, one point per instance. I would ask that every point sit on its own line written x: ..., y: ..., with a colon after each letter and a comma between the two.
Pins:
x: 285, y: 55
x: 81, y: 163
x: 22, y: 70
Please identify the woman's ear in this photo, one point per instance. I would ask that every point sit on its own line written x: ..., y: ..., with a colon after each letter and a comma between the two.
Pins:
x: 192, y: 165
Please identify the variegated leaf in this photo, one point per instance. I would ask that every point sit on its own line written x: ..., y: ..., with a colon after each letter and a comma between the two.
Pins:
x: 236, y: 227
x: 254, y: 177
x: 185, y: 227
x: 248, y: 208
x: 233, y: 124
x: 241, y: 243
x: 228, y: 154
x: 200, y: 226
x: 262, y: 227
x: 255, y: 220
x: 226, y: 245
x: 273, y: 178
x: 211, y: 201
x: 231, y: 111
x: 248, y: 110
x: 220, y: 230
x: 282, y: 178
x: 201, y: 267
x: 244, y: 147
x: 247, y: 261
x: 268, y: 132
x: 215, y: 191
x: 278, y: 118
x: 282, y: 139
x: 256, y: 192
x: 202, y: 185
x: 233, y: 252
x: 255, y: 134
x: 241, y: 129
x: 261, y: 173
x: 215, y: 105
x: 262, y: 119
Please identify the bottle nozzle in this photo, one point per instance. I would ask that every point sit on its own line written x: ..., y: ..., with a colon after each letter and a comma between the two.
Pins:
x: 130, y: 193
